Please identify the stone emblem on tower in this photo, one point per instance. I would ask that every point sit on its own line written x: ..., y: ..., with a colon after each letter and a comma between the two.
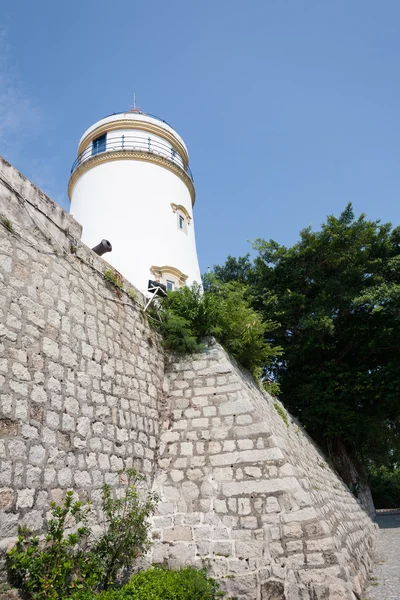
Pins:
x: 131, y: 184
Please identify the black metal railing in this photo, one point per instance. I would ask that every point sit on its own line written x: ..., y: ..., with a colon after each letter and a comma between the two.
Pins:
x: 128, y: 143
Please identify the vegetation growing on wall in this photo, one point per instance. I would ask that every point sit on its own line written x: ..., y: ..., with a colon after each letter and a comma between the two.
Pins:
x: 336, y: 297
x: 223, y: 311
x: 114, y: 278
x: 5, y: 221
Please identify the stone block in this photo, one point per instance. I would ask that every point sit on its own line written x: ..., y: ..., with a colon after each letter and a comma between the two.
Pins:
x: 8, y: 427
x: 6, y: 498
x: 304, y: 514
x: 292, y: 531
x: 39, y: 394
x: 50, y: 348
x: 187, y: 448
x: 190, y: 490
x: 321, y: 545
x: 244, y: 586
x: 37, y: 412
x: 64, y: 477
x: 223, y: 548
x: 8, y: 524
x: 33, y: 520
x: 202, y: 423
x: 25, y: 498
x: 294, y: 546
x: 33, y: 476
x: 67, y: 423
x: 82, y: 479
x: 315, y: 559
x: 246, y: 444
x: 249, y: 456
x: 184, y: 553
x: 236, y: 407
x: 37, y: 455
x: 243, y: 506
x: 177, y: 534
x: 273, y: 590
x: 268, y: 486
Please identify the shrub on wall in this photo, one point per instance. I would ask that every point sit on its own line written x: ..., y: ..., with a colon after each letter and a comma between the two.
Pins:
x: 223, y: 311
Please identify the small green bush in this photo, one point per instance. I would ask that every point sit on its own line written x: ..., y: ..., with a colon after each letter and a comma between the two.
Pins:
x: 47, y: 569
x: 223, y: 311
x: 162, y: 584
x: 282, y: 413
x: 5, y: 221
x: 63, y: 562
x: 114, y: 278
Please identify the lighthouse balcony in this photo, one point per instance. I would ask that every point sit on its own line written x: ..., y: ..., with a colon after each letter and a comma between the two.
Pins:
x: 131, y: 146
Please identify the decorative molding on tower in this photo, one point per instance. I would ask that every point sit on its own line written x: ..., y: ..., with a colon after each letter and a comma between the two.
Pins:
x: 131, y: 155
x: 168, y: 270
x: 182, y: 209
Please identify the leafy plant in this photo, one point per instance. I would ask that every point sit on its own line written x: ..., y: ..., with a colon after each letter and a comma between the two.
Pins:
x: 115, y: 279
x: 64, y: 562
x: 223, y: 311
x: 5, y: 221
x: 132, y: 294
x: 282, y: 413
x: 127, y: 529
x: 163, y: 584
x: 55, y: 566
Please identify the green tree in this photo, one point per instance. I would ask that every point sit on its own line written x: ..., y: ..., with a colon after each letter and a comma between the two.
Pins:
x: 336, y: 297
x: 385, y: 485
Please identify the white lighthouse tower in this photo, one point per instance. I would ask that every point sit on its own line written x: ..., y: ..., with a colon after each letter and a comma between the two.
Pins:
x: 131, y: 184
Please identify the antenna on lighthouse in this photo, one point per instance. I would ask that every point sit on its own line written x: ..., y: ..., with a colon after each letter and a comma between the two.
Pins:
x: 134, y: 108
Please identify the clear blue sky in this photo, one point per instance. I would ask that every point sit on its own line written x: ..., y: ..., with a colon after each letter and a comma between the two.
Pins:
x: 290, y: 108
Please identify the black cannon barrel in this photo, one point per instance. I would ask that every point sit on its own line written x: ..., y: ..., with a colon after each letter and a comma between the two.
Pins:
x: 102, y: 248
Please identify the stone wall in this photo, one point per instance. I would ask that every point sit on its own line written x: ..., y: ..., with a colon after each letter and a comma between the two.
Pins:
x: 246, y: 490
x: 81, y: 372
x: 83, y: 394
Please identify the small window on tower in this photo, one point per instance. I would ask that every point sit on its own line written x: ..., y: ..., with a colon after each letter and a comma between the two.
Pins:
x: 170, y: 285
x: 181, y: 222
x: 99, y: 144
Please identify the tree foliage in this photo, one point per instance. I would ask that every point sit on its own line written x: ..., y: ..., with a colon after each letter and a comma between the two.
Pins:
x: 336, y: 297
x: 224, y: 311
x: 385, y: 485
